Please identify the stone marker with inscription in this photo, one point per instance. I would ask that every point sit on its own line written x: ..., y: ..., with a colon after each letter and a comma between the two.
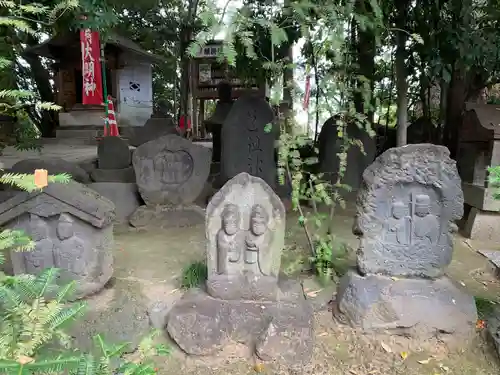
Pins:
x: 407, y: 206
x: 171, y: 172
x: 246, y: 146
x: 245, y: 228
x: 72, y: 228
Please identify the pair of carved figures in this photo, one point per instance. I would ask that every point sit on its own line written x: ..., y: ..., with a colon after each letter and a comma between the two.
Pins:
x: 236, y: 246
x: 418, y: 227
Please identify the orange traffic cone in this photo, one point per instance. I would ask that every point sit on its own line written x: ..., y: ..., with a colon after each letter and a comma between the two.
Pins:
x: 113, y: 126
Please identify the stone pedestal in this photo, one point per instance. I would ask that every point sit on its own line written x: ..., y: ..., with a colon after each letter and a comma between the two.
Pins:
x: 481, y: 225
x: 409, y: 200
x: 409, y: 307
x: 276, y: 331
x: 167, y: 216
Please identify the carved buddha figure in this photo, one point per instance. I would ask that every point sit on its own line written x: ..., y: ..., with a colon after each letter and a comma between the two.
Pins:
x: 426, y: 225
x: 228, y: 244
x: 398, y: 225
x: 257, y: 239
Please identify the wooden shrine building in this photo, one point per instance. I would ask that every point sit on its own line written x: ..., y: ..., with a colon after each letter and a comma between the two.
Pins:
x: 207, y: 71
x: 128, y: 81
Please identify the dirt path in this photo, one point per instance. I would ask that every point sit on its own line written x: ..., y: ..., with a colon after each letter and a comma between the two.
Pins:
x: 148, y: 266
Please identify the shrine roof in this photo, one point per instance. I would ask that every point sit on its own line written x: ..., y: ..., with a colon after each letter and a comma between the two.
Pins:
x: 46, y: 48
x: 488, y: 116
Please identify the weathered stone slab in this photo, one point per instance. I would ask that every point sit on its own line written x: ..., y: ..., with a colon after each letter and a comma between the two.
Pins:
x: 493, y: 328
x: 246, y: 146
x: 171, y: 170
x: 113, y: 153
x: 124, y: 196
x: 407, y: 206
x: 417, y: 307
x: 245, y: 229
x: 153, y: 129
x: 279, y: 331
x: 53, y: 166
x: 125, y: 175
x: 331, y: 145
x: 72, y: 229
x: 167, y: 216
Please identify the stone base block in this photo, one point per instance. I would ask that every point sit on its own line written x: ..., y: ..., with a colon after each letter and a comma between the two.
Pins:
x: 275, y: 331
x: 416, y: 307
x: 125, y: 196
x: 482, y: 225
x: 247, y: 287
x: 113, y: 175
x: 167, y: 216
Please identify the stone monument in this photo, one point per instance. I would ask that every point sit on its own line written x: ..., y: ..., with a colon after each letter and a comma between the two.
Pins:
x: 216, y: 120
x: 245, y: 224
x: 330, y: 145
x: 479, y: 148
x: 72, y: 229
x: 246, y: 145
x: 171, y: 172
x: 113, y: 153
x: 407, y: 205
x: 154, y: 128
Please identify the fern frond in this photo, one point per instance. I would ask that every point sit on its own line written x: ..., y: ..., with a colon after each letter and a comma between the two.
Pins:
x: 62, y: 7
x: 33, y: 8
x: 14, y: 239
x: 15, y: 94
x: 5, y: 63
x: 51, y: 366
x: 7, y: 4
x: 45, y: 279
x: 86, y: 366
x: 47, y: 106
x: 66, y: 292
x: 68, y: 315
x: 27, y: 181
x: 16, y: 24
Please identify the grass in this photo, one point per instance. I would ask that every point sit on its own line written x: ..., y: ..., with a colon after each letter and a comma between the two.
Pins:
x: 194, y: 275
x: 485, y: 307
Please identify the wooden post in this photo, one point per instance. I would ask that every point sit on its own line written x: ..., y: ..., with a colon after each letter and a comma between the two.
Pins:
x: 201, y: 119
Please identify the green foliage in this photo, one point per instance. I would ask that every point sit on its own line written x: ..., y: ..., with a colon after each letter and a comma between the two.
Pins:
x: 194, y: 275
x: 258, y: 37
x: 494, y: 180
x: 485, y: 307
x: 19, y: 19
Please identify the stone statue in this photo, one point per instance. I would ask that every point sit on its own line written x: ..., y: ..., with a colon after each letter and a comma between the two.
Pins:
x: 398, y: 225
x: 426, y: 225
x: 245, y: 228
x: 257, y: 239
x: 228, y: 244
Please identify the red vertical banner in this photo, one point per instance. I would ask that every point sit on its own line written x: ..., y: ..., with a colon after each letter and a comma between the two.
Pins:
x: 91, y: 68
x: 307, y: 93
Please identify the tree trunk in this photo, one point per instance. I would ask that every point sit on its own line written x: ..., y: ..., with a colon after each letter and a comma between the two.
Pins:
x: 366, y: 62
x: 401, y: 75
x: 186, y: 34
x: 455, y: 105
x: 49, y: 119
x: 288, y: 84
